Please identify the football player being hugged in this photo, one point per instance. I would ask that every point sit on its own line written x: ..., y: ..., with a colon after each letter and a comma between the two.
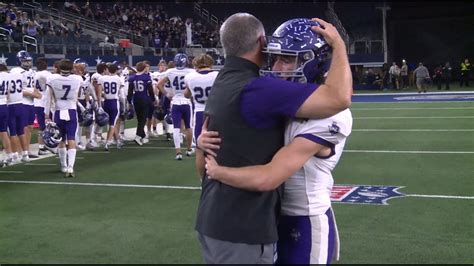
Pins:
x: 198, y: 87
x: 64, y: 92
x: 111, y: 87
x: 313, y: 146
x: 180, y: 105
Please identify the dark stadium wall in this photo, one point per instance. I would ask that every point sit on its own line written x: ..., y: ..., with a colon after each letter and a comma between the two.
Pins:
x: 435, y: 33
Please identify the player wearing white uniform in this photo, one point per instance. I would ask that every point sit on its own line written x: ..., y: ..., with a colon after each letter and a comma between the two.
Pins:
x: 84, y: 98
x: 96, y: 131
x: 15, y: 117
x: 41, y: 76
x: 29, y: 93
x: 180, y: 105
x: 198, y: 87
x: 64, y: 91
x: 4, y: 91
x: 163, y: 101
x: 307, y: 228
x: 111, y: 87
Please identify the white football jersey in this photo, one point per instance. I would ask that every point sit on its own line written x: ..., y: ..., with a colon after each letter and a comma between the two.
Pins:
x: 15, y: 88
x: 85, y: 87
x: 65, y: 90
x: 28, y: 82
x: 308, y: 191
x: 200, y: 84
x: 40, y: 85
x: 125, y: 74
x: 176, y: 78
x: 112, y: 87
x: 4, y: 80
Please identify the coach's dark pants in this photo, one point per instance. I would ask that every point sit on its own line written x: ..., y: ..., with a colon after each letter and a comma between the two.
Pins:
x: 141, y: 110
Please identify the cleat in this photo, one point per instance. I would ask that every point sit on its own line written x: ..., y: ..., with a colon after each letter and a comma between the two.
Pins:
x: 31, y: 155
x: 168, y: 136
x: 145, y: 140
x: 106, y: 147
x: 138, y: 140
x: 119, y: 144
x: 189, y: 152
x: 25, y: 158
x: 43, y: 151
x: 80, y: 147
x: 179, y: 156
x: 52, y: 150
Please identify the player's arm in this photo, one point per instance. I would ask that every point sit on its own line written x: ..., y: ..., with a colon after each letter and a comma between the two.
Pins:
x: 151, y: 93
x: 35, y: 93
x: 130, y: 92
x: 187, y: 92
x: 335, y: 94
x: 285, y: 163
x: 99, y: 94
x: 161, y: 85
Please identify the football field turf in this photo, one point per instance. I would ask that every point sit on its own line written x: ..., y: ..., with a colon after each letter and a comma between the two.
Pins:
x: 138, y: 204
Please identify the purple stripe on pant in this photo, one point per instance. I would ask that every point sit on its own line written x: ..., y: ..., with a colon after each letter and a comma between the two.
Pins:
x: 68, y: 128
x: 40, y: 116
x: 181, y: 111
x: 111, y: 107
x: 3, y: 118
x: 15, y: 119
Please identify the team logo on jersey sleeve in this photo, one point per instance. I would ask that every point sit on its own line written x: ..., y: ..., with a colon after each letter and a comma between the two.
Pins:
x: 334, y: 128
x: 364, y: 194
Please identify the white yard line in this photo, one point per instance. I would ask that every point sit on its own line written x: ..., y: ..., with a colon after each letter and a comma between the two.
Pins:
x: 178, y: 187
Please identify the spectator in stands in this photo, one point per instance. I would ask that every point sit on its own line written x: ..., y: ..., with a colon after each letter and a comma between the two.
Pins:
x: 31, y: 29
x: 422, y: 77
x: 465, y: 73
x: 447, y: 74
x: 404, y: 74
x: 77, y: 28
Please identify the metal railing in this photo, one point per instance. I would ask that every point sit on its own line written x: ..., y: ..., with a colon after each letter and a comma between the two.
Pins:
x: 30, y: 41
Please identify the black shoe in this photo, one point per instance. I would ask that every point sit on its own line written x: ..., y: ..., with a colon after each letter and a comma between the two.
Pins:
x: 168, y: 136
x: 31, y: 155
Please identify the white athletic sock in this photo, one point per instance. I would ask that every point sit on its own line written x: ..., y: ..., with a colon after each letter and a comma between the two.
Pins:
x: 25, y: 153
x: 62, y: 157
x: 71, y: 158
x: 15, y: 156
x: 177, y: 138
x: 79, y: 135
x: 91, y: 132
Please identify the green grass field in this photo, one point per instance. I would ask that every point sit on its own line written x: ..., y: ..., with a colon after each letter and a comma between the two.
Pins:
x: 99, y: 223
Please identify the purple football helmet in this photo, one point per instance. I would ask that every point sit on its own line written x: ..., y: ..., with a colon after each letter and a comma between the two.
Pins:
x: 295, y: 38
x: 24, y: 59
x: 180, y: 60
x: 51, y: 135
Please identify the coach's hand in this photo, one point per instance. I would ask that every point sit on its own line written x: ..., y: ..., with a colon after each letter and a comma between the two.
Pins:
x: 208, y: 141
